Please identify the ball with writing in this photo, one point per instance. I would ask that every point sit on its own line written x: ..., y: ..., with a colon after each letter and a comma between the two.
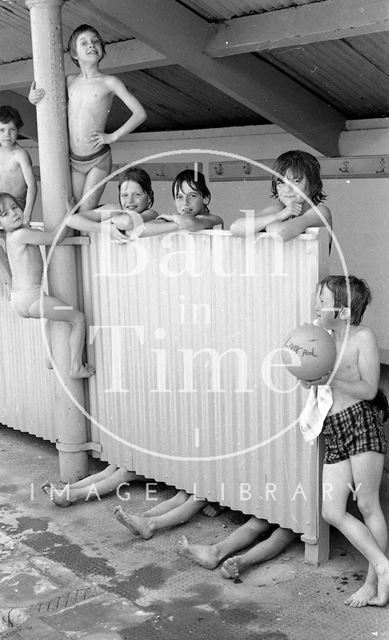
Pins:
x: 309, y: 352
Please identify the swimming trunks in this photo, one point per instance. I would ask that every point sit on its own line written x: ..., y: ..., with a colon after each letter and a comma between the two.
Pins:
x: 22, y: 300
x: 353, y: 430
x: 83, y: 164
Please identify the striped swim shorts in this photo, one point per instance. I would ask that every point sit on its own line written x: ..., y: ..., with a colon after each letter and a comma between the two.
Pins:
x: 353, y: 430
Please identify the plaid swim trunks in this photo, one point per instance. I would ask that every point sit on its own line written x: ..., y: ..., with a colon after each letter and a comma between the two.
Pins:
x: 353, y: 430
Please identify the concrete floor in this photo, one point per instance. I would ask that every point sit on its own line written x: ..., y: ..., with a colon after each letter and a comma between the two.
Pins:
x: 78, y: 573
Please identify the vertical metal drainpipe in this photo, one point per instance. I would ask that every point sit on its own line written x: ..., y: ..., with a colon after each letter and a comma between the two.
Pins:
x: 47, y: 47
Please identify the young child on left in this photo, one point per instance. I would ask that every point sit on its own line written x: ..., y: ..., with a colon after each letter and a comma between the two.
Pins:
x: 26, y: 265
x: 16, y: 174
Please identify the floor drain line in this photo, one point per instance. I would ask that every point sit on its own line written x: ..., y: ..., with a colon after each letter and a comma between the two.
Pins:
x: 63, y: 601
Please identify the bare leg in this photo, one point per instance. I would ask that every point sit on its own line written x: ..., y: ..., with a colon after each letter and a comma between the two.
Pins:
x: 146, y: 527
x: 339, y: 477
x: 367, y: 473
x: 108, y: 471
x: 209, y: 556
x: 94, y: 176
x: 60, y: 497
x: 97, y: 485
x: 120, y: 473
x: 54, y: 309
x: 265, y: 550
x: 167, y: 505
x: 49, y: 363
x: 78, y: 181
x: 5, y: 270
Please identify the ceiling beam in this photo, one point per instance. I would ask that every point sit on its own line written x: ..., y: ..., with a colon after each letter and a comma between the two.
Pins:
x: 180, y: 34
x: 121, y: 57
x: 295, y: 26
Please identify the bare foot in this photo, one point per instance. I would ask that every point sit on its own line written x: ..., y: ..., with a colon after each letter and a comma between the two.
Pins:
x: 361, y: 597
x: 85, y: 371
x: 213, y: 509
x: 230, y: 568
x: 10, y: 618
x: 205, y: 555
x: 121, y: 516
x: 60, y: 497
x: 136, y: 524
x: 382, y: 597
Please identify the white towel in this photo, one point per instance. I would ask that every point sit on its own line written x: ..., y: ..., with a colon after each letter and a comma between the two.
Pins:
x: 318, y: 404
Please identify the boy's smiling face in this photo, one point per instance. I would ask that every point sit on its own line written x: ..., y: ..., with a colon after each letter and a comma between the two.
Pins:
x: 8, y: 134
x: 11, y: 215
x: 132, y: 197
x: 88, y: 47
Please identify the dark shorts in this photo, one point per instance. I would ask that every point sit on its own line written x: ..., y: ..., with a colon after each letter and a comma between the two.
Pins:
x: 354, y: 430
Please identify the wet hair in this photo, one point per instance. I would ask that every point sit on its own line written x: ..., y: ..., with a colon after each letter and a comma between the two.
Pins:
x: 3, y: 197
x: 73, y: 40
x: 139, y: 175
x: 6, y: 196
x: 196, y: 181
x: 302, y: 165
x: 359, y: 292
x: 9, y: 114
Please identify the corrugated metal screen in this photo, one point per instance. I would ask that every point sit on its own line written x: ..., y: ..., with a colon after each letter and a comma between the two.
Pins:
x: 27, y: 387
x: 182, y: 391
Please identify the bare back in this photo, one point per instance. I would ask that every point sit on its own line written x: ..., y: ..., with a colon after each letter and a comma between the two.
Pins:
x: 89, y: 104
x: 11, y: 175
x: 25, y: 261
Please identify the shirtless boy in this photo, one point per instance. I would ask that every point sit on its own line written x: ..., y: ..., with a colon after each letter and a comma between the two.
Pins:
x: 16, y: 174
x: 90, y: 96
x: 297, y: 190
x: 26, y: 266
x: 355, y: 443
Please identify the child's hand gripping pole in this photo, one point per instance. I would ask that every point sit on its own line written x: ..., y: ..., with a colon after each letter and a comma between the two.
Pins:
x: 36, y: 94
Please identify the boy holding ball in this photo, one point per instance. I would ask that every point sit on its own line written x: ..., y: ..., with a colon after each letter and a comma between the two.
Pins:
x: 354, y: 437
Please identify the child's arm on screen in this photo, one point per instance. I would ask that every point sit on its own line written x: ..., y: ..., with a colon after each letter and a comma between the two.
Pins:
x: 292, y: 227
x: 252, y: 224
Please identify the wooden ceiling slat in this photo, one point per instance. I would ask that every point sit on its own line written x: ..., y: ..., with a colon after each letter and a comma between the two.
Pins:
x: 350, y: 75
x: 338, y: 73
